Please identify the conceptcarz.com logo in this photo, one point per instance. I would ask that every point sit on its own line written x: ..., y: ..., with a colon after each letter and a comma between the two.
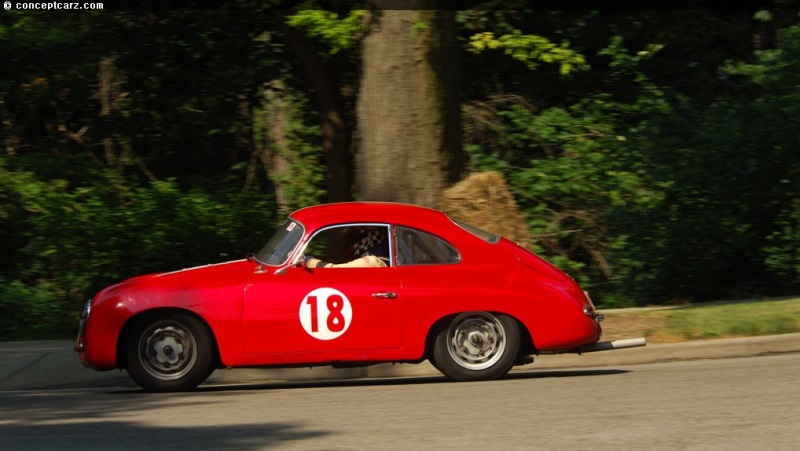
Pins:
x: 47, y: 6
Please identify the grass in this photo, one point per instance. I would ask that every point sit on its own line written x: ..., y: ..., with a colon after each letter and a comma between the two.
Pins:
x: 705, y: 322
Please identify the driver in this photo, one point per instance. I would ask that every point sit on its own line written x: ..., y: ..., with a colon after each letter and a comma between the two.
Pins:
x: 369, y: 248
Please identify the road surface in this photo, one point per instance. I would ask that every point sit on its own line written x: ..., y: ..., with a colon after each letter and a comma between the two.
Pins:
x: 745, y: 403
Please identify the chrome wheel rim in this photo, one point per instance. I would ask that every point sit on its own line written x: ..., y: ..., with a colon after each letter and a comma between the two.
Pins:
x: 167, y: 351
x: 476, y: 341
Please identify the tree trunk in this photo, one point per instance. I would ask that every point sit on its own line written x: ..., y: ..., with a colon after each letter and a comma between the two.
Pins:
x: 408, y: 108
x: 335, y: 134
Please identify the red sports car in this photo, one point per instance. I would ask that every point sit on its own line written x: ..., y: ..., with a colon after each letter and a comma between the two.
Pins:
x: 343, y: 285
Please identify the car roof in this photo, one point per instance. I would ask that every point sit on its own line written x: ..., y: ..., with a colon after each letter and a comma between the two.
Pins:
x: 384, y: 212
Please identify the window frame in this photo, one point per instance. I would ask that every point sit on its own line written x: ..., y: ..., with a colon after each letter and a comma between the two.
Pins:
x: 389, y: 236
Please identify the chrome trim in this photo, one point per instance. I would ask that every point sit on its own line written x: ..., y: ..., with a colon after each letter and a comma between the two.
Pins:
x: 590, y: 310
x: 616, y: 344
x: 591, y: 313
x: 623, y: 343
x: 87, y: 309
x: 302, y: 245
x: 85, y: 312
x: 589, y: 298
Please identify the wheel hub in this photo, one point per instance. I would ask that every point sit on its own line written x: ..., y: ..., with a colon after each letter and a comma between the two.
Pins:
x: 477, y: 341
x: 167, y: 352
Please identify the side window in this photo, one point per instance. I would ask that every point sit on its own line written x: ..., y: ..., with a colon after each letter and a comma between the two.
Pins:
x: 326, y: 245
x: 341, y: 244
x: 415, y: 247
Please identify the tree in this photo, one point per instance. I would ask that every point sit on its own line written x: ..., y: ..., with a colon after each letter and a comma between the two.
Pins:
x: 409, y: 126
x: 322, y: 75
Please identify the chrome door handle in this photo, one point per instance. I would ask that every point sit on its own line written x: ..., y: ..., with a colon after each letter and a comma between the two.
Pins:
x: 385, y: 295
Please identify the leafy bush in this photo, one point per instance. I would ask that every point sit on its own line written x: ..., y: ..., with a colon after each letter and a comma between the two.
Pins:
x: 73, y: 240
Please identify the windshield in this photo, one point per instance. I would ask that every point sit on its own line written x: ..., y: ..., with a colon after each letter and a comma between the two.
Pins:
x: 277, y: 250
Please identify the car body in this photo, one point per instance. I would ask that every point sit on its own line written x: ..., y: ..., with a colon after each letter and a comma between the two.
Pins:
x: 471, y: 302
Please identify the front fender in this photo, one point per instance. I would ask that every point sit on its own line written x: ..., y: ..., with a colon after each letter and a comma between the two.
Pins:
x: 115, y: 308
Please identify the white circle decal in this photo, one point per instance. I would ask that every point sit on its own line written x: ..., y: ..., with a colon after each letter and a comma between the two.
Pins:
x: 325, y: 313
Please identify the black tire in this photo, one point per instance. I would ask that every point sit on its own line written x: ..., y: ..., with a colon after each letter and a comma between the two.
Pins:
x: 173, y: 353
x: 477, y: 346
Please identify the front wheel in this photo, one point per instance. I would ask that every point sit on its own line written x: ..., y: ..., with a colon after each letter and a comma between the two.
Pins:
x: 170, y: 354
x: 477, y: 346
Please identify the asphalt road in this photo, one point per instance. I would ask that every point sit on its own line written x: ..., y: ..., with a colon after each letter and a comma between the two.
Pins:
x: 720, y: 404
x: 37, y: 365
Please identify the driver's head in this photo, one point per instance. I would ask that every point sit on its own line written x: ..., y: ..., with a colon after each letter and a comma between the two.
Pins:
x: 367, y: 240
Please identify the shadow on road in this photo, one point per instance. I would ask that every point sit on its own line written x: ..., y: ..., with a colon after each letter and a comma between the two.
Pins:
x: 564, y: 373
x: 105, y: 435
x: 111, y: 418
x: 413, y: 380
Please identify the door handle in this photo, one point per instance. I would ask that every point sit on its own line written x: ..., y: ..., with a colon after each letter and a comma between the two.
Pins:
x: 389, y: 295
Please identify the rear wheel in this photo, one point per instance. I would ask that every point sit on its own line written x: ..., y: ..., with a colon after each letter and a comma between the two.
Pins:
x: 172, y: 353
x: 477, y: 346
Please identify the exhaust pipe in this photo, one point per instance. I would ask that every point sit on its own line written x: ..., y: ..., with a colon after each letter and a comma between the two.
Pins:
x: 616, y: 344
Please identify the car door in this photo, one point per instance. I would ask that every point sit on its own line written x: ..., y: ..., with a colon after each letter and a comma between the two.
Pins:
x: 433, y: 284
x: 322, y: 309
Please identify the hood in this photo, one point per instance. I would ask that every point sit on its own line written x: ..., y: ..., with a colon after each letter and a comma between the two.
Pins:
x: 191, y: 286
x: 214, y: 269
x: 206, y: 275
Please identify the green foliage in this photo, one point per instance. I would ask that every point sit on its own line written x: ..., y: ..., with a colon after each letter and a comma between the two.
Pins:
x: 531, y: 50
x: 664, y: 168
x: 729, y: 178
x: 418, y: 27
x: 776, y: 75
x: 339, y: 33
x: 284, y: 134
x: 573, y: 171
x: 782, y: 249
x: 77, y: 239
x: 570, y: 175
x: 33, y: 30
x: 655, y: 189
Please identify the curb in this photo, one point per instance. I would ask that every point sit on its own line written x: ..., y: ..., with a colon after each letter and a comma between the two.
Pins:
x: 39, y: 365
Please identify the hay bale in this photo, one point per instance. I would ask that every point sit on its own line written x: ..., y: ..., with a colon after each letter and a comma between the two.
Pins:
x: 484, y: 200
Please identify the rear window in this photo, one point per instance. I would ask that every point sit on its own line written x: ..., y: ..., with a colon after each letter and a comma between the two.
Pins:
x: 482, y: 234
x: 415, y: 247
